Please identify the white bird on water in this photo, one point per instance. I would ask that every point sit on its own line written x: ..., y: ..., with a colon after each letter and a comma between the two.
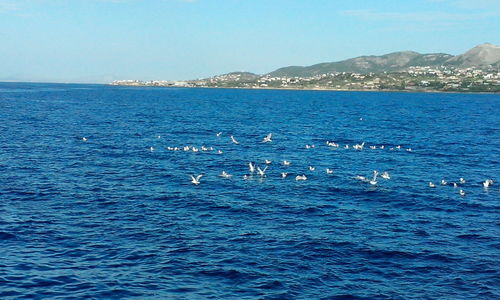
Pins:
x: 300, y: 177
x: 286, y: 163
x: 218, y: 133
x: 461, y: 180
x: 284, y: 174
x: 226, y: 175
x: 151, y: 149
x: 374, y: 179
x: 219, y: 152
x: 311, y: 168
x: 234, y: 140
x: 268, y: 138
x: 443, y: 182
x: 362, y: 178
x: 196, y: 180
x: 359, y: 146
x: 262, y: 172
x: 432, y: 185
x: 385, y: 175
x: 251, y: 167
x: 84, y: 139
x: 329, y: 171
x: 267, y: 162
x: 487, y: 183
x: 461, y: 192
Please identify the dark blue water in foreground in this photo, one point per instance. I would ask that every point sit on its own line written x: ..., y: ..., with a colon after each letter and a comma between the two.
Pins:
x: 108, y: 218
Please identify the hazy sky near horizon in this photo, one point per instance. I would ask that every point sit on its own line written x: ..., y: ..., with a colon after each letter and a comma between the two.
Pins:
x: 102, y: 40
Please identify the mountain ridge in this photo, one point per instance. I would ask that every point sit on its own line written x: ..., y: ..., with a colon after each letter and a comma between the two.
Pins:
x: 483, y: 55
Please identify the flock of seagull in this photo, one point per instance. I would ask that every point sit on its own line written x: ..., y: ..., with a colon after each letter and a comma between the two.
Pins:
x: 261, y: 172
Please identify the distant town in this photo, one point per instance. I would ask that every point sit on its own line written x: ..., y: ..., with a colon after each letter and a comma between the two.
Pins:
x: 444, y: 78
x: 477, y: 70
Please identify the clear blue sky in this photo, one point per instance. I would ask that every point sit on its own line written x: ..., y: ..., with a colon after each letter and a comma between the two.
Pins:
x: 103, y: 40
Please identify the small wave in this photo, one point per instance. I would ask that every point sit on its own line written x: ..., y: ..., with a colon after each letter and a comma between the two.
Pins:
x: 6, y: 236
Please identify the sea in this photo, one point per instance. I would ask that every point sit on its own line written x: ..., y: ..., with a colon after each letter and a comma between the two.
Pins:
x: 97, y: 199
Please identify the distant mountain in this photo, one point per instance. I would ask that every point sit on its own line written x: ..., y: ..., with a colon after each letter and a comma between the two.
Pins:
x: 480, y: 56
x: 243, y: 75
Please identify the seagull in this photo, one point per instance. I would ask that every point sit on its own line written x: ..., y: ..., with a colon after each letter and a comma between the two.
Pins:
x: 385, y: 175
x: 408, y: 150
x: 219, y: 151
x: 455, y: 185
x: 245, y: 177
x: 268, y: 138
x: 374, y: 179
x: 300, y: 177
x: 346, y: 146
x: 251, y: 167
x: 84, y: 139
x: 158, y: 137
x: 203, y: 148
x: 234, y: 140
x: 267, y: 162
x: 196, y: 180
x: 432, y: 185
x: 373, y: 147
x: 461, y: 180
x: 329, y: 171
x: 218, y: 134
x: 487, y: 183
x: 443, y: 182
x: 284, y: 174
x: 151, y: 149
x: 362, y: 178
x: 286, y: 163
x: 262, y: 173
x: 382, y: 147
x: 359, y: 146
x: 398, y: 147
x: 185, y: 148
x: 461, y: 192
x: 311, y: 168
x: 194, y: 149
x: 308, y: 147
x: 226, y: 175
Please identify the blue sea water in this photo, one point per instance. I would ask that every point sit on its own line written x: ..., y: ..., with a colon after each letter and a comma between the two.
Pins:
x: 109, y: 218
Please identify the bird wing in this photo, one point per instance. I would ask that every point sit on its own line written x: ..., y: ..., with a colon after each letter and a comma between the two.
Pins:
x: 198, y: 177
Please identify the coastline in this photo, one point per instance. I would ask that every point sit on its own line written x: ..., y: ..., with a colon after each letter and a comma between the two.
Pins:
x: 315, y: 89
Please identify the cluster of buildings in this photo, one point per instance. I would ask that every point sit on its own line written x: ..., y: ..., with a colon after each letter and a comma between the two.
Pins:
x: 425, y: 78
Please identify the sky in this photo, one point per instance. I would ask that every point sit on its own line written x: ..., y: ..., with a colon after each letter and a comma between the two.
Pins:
x: 97, y: 41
